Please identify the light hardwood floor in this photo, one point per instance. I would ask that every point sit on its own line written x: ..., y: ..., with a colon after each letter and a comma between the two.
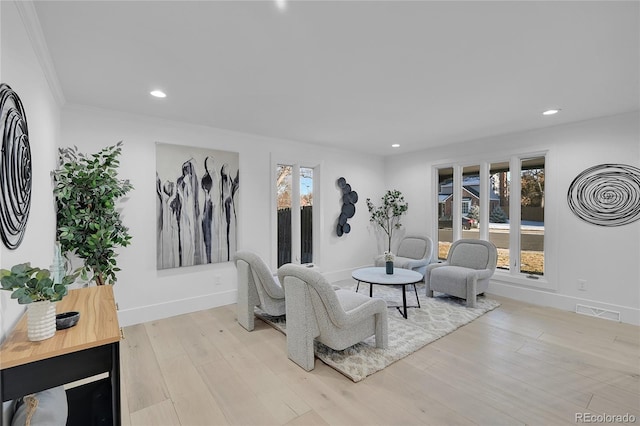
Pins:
x: 518, y: 364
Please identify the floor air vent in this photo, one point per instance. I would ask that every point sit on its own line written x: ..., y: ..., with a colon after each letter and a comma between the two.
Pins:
x: 598, y: 312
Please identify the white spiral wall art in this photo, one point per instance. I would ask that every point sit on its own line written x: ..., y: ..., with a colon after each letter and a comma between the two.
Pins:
x: 606, y: 195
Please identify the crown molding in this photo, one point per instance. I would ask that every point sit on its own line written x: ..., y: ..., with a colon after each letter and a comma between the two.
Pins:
x: 29, y: 16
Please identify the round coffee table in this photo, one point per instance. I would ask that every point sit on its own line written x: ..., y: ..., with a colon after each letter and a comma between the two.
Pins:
x: 379, y: 276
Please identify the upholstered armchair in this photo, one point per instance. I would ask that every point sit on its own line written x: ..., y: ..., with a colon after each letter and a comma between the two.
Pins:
x: 257, y: 286
x: 466, y: 272
x: 336, y: 318
x: 414, y: 252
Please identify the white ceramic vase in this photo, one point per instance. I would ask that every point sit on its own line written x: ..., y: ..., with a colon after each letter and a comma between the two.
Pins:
x: 41, y: 320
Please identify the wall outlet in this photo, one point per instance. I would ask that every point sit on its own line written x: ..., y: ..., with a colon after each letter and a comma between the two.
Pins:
x: 217, y: 280
x: 582, y: 285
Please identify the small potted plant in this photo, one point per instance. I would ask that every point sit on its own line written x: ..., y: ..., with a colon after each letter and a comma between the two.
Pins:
x: 35, y: 288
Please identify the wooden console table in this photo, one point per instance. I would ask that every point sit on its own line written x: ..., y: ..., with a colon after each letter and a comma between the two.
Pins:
x: 90, y: 348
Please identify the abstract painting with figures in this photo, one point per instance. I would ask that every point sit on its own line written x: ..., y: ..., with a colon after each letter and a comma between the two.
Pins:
x: 197, y: 201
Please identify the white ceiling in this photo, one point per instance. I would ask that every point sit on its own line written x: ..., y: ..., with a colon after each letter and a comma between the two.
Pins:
x: 355, y: 74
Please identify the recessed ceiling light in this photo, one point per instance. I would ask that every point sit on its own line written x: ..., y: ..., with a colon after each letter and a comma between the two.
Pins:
x: 158, y: 94
x: 281, y: 4
x: 395, y: 145
x: 551, y: 111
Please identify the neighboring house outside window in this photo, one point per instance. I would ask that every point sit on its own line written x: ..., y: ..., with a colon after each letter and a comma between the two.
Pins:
x: 515, y: 226
x: 470, y: 196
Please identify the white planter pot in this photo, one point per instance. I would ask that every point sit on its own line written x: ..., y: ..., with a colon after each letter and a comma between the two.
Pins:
x: 41, y: 320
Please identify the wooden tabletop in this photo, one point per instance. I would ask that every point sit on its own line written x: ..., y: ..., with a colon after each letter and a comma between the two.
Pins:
x: 98, y: 325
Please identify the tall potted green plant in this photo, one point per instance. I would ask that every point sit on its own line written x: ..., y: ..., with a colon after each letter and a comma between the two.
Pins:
x: 86, y: 190
x: 387, y: 215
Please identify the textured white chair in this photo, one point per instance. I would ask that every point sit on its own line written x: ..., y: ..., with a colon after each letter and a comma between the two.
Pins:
x: 336, y: 318
x: 257, y: 286
x: 414, y: 252
x: 466, y: 272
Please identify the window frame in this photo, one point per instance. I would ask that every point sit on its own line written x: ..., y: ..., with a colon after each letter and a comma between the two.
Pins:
x: 466, y: 206
x: 512, y: 276
x: 296, y: 246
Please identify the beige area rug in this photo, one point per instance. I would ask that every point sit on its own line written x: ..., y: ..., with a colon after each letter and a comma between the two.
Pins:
x: 435, y: 318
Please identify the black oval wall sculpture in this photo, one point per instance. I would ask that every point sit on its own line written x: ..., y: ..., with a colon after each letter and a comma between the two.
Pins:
x: 349, y: 200
x: 606, y: 195
x: 15, y: 169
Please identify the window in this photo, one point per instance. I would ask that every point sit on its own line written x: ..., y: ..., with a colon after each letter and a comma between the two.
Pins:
x: 294, y: 214
x: 470, y: 208
x: 500, y: 181
x: 284, y: 194
x: 466, y: 206
x: 306, y: 214
x: 517, y: 229
x: 532, y: 216
x: 445, y: 212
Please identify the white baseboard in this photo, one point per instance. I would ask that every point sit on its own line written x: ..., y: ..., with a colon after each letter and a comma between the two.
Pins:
x: 158, y: 311
x: 345, y: 274
x: 628, y: 314
x: 147, y: 313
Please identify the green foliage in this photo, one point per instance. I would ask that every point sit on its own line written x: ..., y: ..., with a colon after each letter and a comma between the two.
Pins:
x: 33, y: 284
x: 474, y: 212
x: 387, y: 215
x: 86, y: 189
x: 532, y: 191
x: 497, y: 215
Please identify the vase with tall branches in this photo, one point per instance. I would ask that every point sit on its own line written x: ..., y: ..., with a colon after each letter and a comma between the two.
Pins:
x: 387, y: 215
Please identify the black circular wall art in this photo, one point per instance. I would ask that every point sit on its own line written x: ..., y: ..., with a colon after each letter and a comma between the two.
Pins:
x: 348, y: 210
x: 606, y: 195
x: 15, y: 169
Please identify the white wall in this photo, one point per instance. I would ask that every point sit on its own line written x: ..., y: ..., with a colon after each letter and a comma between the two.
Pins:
x: 607, y: 257
x: 21, y: 70
x: 144, y: 293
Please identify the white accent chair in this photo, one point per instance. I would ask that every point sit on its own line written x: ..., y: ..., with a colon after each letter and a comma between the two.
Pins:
x: 257, y: 286
x: 414, y: 252
x: 336, y: 318
x: 466, y: 272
